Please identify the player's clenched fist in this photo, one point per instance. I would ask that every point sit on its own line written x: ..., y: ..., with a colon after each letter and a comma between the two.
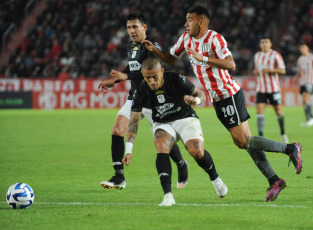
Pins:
x: 126, y: 159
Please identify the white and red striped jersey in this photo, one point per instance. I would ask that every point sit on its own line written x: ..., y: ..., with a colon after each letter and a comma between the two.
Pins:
x: 268, y: 83
x: 217, y: 82
x: 305, y: 66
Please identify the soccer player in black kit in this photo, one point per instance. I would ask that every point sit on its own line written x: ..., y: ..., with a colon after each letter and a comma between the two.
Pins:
x: 174, y: 119
x: 137, y: 52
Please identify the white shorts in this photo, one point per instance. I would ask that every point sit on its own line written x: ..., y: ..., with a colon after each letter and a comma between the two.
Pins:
x: 126, y: 109
x: 184, y: 129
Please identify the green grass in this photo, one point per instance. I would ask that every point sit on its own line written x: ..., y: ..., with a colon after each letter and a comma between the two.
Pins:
x: 64, y: 154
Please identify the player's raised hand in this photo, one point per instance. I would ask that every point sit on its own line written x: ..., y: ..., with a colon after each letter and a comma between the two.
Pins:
x: 118, y: 76
x: 194, y: 54
x: 149, y: 45
x: 126, y: 159
x: 106, y: 84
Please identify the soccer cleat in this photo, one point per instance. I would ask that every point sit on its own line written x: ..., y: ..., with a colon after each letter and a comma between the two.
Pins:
x: 295, y: 157
x: 284, y: 138
x: 275, y: 189
x: 182, y: 176
x: 309, y: 122
x: 168, y: 200
x: 117, y: 182
x: 220, y: 188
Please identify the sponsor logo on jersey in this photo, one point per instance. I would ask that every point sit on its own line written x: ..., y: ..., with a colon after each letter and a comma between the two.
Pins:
x: 134, y: 54
x: 161, y: 98
x: 205, y: 47
x: 134, y: 65
x: 183, y: 78
x: 163, y: 108
x: 157, y: 46
x: 135, y: 48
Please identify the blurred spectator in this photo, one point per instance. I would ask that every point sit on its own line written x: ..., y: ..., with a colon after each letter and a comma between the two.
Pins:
x: 89, y: 38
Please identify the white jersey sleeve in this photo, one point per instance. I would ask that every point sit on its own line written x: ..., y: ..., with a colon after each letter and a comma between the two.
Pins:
x: 219, y: 46
x: 279, y: 62
x: 178, y: 49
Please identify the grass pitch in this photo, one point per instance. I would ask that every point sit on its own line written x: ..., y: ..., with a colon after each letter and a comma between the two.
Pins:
x: 64, y: 154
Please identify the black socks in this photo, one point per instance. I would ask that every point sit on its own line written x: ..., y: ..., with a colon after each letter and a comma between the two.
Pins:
x: 206, y: 163
x: 164, y: 169
x: 176, y: 156
x: 117, y: 150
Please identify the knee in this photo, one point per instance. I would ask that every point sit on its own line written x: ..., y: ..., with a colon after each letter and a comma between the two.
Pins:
x: 197, y: 154
x: 240, y: 143
x: 119, y: 130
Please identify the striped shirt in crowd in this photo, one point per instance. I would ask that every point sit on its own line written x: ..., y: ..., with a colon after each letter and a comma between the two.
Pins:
x: 305, y: 65
x: 268, y: 83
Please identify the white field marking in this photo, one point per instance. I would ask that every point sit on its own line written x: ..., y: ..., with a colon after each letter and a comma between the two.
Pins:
x: 197, y: 205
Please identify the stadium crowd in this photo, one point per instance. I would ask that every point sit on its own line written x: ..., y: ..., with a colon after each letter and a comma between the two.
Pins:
x: 77, y: 39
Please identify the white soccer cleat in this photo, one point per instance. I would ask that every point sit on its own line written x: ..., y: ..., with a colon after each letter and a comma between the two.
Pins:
x: 117, y: 182
x: 168, y: 200
x: 220, y: 188
x: 309, y: 122
x: 284, y: 139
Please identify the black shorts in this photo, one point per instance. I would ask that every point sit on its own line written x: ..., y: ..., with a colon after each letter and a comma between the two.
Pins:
x: 268, y: 98
x: 307, y: 88
x: 232, y: 110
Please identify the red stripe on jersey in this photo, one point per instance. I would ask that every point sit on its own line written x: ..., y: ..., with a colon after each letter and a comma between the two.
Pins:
x: 223, y: 73
x: 271, y: 80
x: 280, y: 58
x: 212, y: 78
x: 220, y: 40
x: 189, y: 45
x: 200, y: 76
x: 271, y: 76
x: 277, y: 83
x: 181, y: 47
x: 263, y: 75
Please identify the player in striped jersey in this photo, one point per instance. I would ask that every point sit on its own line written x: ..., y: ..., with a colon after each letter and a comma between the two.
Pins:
x: 304, y: 78
x: 268, y: 64
x: 210, y: 58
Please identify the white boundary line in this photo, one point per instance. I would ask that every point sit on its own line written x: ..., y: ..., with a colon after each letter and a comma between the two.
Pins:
x: 179, y: 204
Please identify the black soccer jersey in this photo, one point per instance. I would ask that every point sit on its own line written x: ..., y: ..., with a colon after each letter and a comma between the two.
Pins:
x: 137, y: 53
x: 167, y: 102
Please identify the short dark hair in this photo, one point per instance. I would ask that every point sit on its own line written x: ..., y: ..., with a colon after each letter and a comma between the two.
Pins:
x: 265, y: 37
x: 199, y: 10
x: 138, y: 16
x: 303, y: 43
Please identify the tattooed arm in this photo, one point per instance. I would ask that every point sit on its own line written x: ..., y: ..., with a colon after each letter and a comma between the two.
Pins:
x: 131, y: 135
x: 197, y: 97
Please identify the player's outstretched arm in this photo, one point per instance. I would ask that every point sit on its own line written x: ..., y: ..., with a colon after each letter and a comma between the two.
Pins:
x: 196, y: 98
x: 228, y: 63
x: 131, y: 135
x: 166, y: 57
x: 273, y: 71
x: 106, y: 84
x: 118, y: 76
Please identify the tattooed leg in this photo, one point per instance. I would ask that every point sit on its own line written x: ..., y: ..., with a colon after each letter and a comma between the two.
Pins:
x: 195, y: 148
